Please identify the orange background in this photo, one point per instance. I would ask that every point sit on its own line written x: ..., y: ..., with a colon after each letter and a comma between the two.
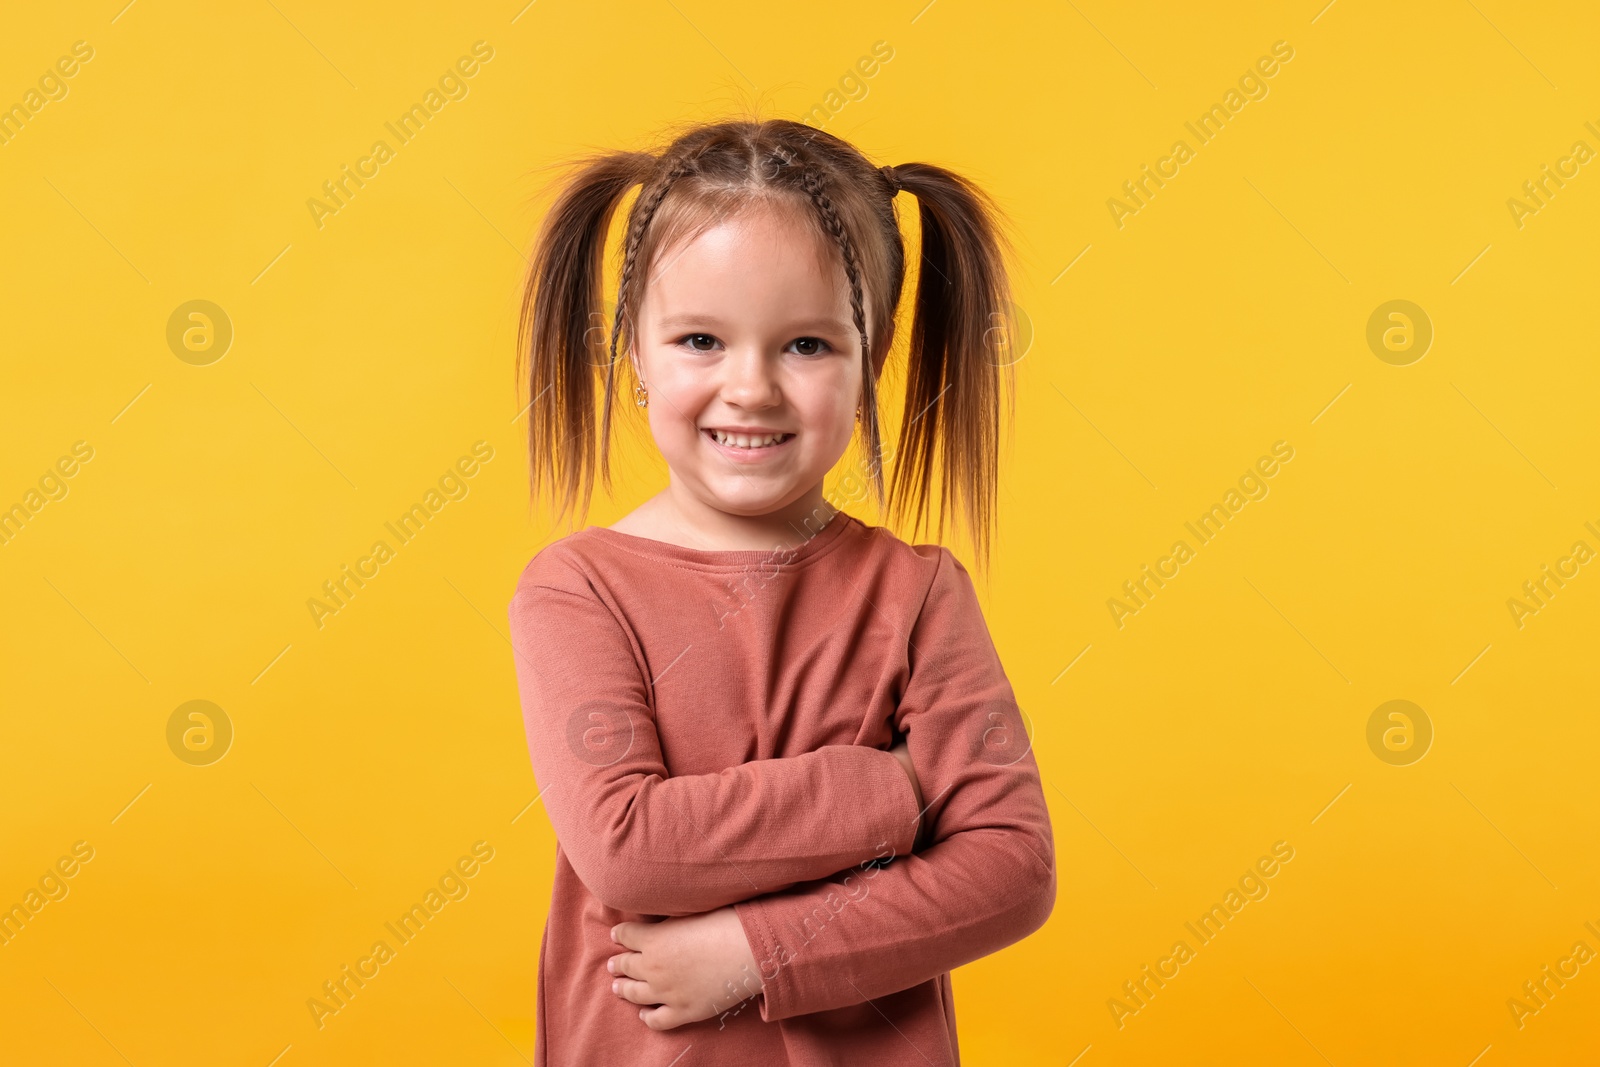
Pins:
x: 1166, y: 350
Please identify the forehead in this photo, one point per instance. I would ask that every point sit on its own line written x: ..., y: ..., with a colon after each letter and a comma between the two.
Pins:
x: 755, y: 258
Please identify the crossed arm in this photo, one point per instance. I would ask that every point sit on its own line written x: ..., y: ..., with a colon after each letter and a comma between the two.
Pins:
x: 651, y: 844
x: 820, y: 934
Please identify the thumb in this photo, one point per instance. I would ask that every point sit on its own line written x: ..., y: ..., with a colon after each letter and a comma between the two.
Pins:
x: 658, y: 1018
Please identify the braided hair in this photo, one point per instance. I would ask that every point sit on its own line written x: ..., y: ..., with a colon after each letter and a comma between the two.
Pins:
x: 948, y: 449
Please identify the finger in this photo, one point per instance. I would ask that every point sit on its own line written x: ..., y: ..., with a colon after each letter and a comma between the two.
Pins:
x: 662, y: 1018
x: 633, y: 990
x: 630, y: 935
x: 630, y: 964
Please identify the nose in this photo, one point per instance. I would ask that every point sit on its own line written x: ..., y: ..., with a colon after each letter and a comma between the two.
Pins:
x: 748, y: 379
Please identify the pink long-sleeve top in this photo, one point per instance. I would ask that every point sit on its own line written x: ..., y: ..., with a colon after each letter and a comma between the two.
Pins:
x: 712, y: 728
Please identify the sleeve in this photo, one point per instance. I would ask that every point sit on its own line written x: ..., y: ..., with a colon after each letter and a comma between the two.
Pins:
x: 987, y: 879
x: 650, y: 844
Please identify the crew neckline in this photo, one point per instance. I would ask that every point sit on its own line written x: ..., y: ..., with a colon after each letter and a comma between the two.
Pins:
x: 722, y: 558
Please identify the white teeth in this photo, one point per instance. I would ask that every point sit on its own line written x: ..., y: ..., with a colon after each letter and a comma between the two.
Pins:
x: 740, y: 440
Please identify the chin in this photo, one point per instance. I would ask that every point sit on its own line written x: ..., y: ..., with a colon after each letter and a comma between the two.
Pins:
x: 749, y: 502
x: 748, y: 507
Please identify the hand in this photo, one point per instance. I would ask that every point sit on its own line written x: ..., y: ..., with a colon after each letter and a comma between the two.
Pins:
x: 693, y: 967
x: 903, y: 753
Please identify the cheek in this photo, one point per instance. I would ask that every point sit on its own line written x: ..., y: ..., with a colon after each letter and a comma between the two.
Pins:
x: 836, y: 426
x: 675, y: 404
x: 667, y: 424
x: 830, y: 406
x: 666, y: 386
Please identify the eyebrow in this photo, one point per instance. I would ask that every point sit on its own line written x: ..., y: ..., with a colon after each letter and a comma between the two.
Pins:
x: 691, y: 320
x: 680, y: 321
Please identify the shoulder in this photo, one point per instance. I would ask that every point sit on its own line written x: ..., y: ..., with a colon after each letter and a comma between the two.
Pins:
x: 930, y: 571
x: 566, y: 565
x: 563, y: 596
x: 929, y: 592
x: 887, y: 546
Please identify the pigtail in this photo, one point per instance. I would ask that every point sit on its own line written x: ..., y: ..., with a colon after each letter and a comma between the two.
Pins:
x: 950, y: 433
x: 562, y: 333
x: 949, y: 438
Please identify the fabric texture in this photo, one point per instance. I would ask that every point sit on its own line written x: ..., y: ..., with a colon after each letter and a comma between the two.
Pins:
x: 711, y: 728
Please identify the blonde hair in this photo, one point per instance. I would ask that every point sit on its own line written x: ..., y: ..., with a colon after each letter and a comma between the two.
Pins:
x: 950, y: 434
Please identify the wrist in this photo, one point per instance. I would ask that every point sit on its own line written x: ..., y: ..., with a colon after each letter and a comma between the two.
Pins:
x: 903, y: 755
x: 734, y: 928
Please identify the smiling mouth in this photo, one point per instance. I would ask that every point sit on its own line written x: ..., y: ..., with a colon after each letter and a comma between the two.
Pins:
x: 747, y: 441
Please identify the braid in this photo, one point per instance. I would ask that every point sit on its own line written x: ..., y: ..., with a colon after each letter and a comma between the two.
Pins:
x: 643, y: 211
x: 946, y: 457
x: 814, y: 186
x: 830, y: 217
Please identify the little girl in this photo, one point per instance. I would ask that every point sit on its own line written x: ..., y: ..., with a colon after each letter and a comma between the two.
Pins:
x: 790, y: 782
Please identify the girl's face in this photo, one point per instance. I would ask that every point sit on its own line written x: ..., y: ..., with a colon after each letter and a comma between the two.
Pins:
x: 752, y: 362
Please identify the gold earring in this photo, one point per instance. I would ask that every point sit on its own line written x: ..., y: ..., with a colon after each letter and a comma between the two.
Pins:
x: 640, y: 397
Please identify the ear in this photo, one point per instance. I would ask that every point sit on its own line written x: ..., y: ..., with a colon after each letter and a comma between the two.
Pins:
x: 881, y: 355
x: 633, y: 359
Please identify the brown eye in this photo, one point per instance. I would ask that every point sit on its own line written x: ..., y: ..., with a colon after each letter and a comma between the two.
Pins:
x: 810, y: 346
x: 694, y: 341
